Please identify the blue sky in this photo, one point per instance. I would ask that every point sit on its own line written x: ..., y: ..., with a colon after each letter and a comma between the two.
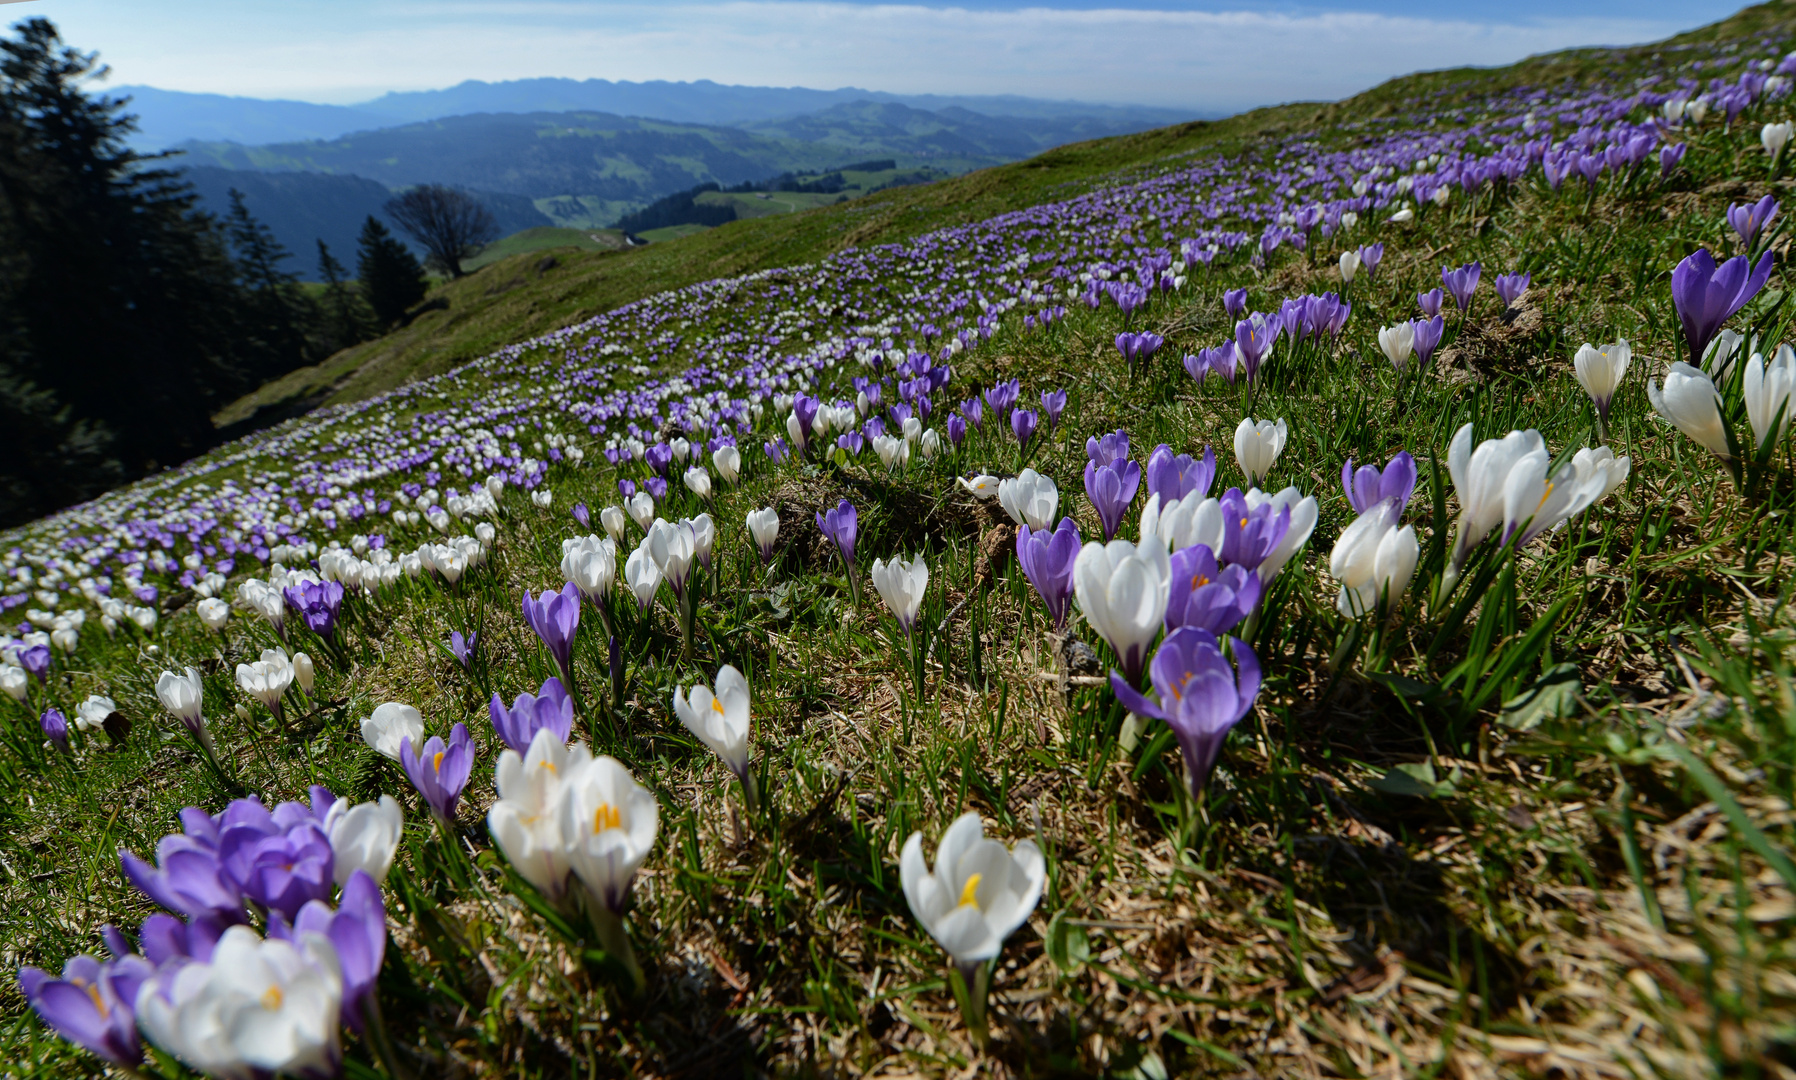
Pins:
x: 1218, y: 55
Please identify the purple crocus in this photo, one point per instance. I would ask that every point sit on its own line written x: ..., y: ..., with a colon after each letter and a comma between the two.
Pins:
x: 1430, y: 302
x: 840, y: 525
x: 1197, y: 365
x: 56, y: 728
x: 280, y: 859
x: 358, y: 929
x: 1428, y: 337
x: 36, y: 661
x: 582, y: 515
x: 1462, y: 283
x: 1254, y: 336
x: 1047, y: 560
x: 1111, y: 448
x: 1138, y: 347
x: 463, y: 647
x: 1053, y: 402
x: 1174, y: 476
x: 93, y: 1004
x: 440, y: 770
x: 186, y: 877
x: 1706, y: 295
x: 974, y: 410
x: 1200, y: 696
x: 1221, y: 360
x: 319, y: 603
x: 1510, y: 287
x: 1366, y: 486
x: 626, y: 487
x: 1669, y: 157
x: 1369, y: 257
x: 1207, y: 596
x: 851, y: 442
x: 776, y: 451
x: 1234, y: 301
x: 1250, y: 535
x: 555, y: 618
x: 957, y: 429
x: 1750, y: 219
x: 656, y: 486
x: 1002, y: 397
x: 1022, y: 425
x: 1111, y: 488
x: 549, y: 709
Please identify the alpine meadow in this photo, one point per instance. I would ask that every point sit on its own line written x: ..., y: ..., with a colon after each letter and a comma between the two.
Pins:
x: 1294, y: 595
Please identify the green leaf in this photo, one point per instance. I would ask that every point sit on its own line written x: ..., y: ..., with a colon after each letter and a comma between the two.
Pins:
x: 1554, y: 696
x: 1068, y: 945
x: 1418, y: 779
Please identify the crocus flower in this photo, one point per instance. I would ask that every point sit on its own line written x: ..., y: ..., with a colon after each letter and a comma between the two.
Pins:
x: 1047, y: 560
x: 92, y: 714
x: 93, y: 1004
x: 1199, y: 695
x: 1398, y: 342
x: 1111, y: 488
x: 1138, y: 347
x: 364, y: 837
x: 306, y: 674
x: 1690, y: 402
x: 1775, y: 136
x: 983, y: 486
x: 14, y: 682
x: 1030, y: 498
x: 1599, y: 369
x: 642, y: 575
x: 267, y: 679
x: 728, y: 462
x: 1254, y: 337
x: 1179, y: 476
x: 1053, y: 402
x: 390, y: 726
x: 1367, y: 486
x: 977, y: 895
x: 1479, y: 478
x: 1767, y: 392
x: 1022, y: 425
x: 609, y: 822
x: 698, y: 481
x: 1535, y: 501
x: 840, y: 526
x: 55, y: 727
x: 357, y: 930
x: 1427, y: 338
x: 1369, y: 257
x: 1234, y: 301
x: 1303, y: 512
x: 1108, y: 450
x: 902, y: 585
x: 1430, y: 302
x: 720, y: 721
x: 1510, y: 287
x: 555, y: 617
x: 1462, y: 283
x: 36, y: 662
x: 549, y: 709
x: 582, y: 515
x: 462, y: 648
x: 764, y: 527
x: 319, y: 603
x: 1122, y: 590
x: 279, y: 859
x: 181, y: 695
x: 1250, y: 533
x: 1350, y: 261
x: 440, y: 770
x: 258, y: 1007
x: 1373, y: 560
x: 523, y: 821
x: 1707, y: 295
x: 213, y: 612
x: 641, y: 507
x: 1207, y: 596
x: 1257, y: 447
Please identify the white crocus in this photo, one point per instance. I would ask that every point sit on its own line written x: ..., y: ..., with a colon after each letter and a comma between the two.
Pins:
x: 14, y: 682
x: 1030, y: 499
x: 1600, y: 471
x: 1719, y: 356
x: 642, y: 575
x: 1534, y: 502
x: 698, y: 481
x: 1257, y: 447
x: 303, y: 671
x: 390, y: 725
x: 1690, y: 402
x: 609, y: 822
x: 978, y: 894
x: 1122, y: 590
x: 364, y: 836
x: 182, y: 696
x: 1349, y: 266
x: 267, y: 679
x: 902, y: 585
x: 542, y: 497
x: 1774, y: 137
x: 727, y: 460
x: 1180, y: 523
x: 671, y: 545
x: 590, y: 562
x: 796, y: 432
x: 1767, y: 391
x: 764, y: 526
x: 1599, y: 369
x: 258, y: 1007
x: 931, y: 444
x: 614, y: 521
x: 1373, y: 560
x: 894, y: 453
x: 720, y: 721
x: 1398, y: 343
x: 1304, y: 512
x: 213, y: 612
x: 642, y: 510
x: 1479, y: 476
x: 983, y: 486
x: 91, y: 714
x: 523, y: 822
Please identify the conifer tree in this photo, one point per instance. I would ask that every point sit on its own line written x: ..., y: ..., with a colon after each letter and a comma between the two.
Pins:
x: 392, y: 279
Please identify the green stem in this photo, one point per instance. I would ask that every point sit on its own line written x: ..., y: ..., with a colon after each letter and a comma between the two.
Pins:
x: 615, y: 940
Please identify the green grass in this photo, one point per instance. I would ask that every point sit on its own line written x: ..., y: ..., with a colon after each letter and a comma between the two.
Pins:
x: 1392, y: 873
x: 544, y: 238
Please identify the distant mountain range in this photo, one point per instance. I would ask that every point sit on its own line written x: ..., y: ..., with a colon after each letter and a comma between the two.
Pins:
x: 170, y: 117
x: 571, y: 153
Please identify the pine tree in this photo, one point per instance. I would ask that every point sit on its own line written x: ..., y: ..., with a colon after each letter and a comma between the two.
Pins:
x: 392, y: 279
x: 347, y: 316
x: 278, y: 313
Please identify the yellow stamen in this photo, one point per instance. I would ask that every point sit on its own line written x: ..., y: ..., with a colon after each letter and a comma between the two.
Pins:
x: 1545, y: 495
x: 606, y: 817
x: 436, y: 763
x: 1200, y: 581
x: 717, y: 706
x: 93, y: 991
x: 550, y: 765
x: 271, y: 998
x: 968, y: 891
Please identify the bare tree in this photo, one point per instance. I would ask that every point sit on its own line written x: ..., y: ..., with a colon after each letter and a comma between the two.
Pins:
x: 452, y: 225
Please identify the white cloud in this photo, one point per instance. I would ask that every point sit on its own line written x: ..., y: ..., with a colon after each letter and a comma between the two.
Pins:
x: 1198, y: 60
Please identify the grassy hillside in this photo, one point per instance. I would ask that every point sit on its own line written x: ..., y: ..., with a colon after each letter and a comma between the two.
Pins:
x: 544, y: 238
